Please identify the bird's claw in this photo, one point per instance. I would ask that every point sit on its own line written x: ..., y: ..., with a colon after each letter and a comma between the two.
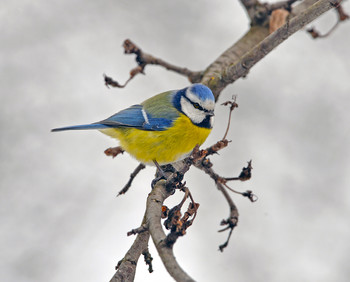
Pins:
x: 155, y: 180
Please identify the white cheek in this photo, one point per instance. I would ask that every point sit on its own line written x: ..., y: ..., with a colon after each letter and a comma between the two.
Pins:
x: 197, y: 116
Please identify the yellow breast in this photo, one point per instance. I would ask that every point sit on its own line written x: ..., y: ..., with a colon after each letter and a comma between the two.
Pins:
x: 165, y: 146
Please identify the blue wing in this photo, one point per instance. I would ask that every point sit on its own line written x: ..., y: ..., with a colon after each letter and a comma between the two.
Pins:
x: 135, y: 117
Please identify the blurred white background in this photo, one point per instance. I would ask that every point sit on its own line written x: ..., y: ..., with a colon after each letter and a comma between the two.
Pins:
x: 60, y: 219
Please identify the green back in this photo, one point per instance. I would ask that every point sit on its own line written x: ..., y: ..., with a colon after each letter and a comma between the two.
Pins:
x: 161, y: 106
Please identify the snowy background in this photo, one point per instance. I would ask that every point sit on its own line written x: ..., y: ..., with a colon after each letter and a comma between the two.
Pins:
x: 60, y: 219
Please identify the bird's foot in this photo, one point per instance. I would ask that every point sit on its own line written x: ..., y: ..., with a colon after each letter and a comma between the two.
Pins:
x: 161, y: 172
x: 155, y: 180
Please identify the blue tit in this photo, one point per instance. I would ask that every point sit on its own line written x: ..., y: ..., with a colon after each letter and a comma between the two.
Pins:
x: 163, y: 129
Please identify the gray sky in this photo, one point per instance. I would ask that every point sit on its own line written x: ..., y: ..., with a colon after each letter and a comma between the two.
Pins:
x: 60, y: 220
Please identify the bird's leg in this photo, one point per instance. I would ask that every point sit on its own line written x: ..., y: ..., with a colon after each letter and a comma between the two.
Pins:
x: 161, y: 172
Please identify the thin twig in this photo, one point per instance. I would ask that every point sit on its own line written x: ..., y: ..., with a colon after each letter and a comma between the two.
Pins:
x: 138, y: 230
x: 249, y: 194
x: 187, y: 192
x: 232, y: 107
x: 111, y: 82
x: 216, y: 147
x: 140, y: 167
x: 232, y: 220
x: 194, y: 203
x: 342, y: 16
x: 143, y: 59
x: 245, y: 174
x: 315, y: 34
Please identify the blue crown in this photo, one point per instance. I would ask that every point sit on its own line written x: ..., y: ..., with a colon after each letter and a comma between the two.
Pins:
x: 202, y: 91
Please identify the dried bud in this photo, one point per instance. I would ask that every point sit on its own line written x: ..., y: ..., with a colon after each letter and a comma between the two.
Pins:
x: 314, y: 33
x: 165, y: 211
x: 130, y: 47
x: 341, y: 13
x: 113, y: 152
x: 277, y: 19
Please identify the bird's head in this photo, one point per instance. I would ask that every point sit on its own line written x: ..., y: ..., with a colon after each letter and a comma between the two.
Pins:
x: 198, y: 103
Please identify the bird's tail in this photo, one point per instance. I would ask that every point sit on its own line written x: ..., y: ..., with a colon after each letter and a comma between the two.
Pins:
x: 81, y: 127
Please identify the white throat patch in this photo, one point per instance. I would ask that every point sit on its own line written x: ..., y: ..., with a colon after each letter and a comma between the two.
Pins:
x: 196, y: 115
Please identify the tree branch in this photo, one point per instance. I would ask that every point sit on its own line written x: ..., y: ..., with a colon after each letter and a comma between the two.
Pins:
x: 126, y: 268
x: 125, y: 189
x: 342, y: 16
x: 214, y: 71
x: 232, y: 219
x: 257, y: 44
x: 143, y: 59
x: 155, y: 201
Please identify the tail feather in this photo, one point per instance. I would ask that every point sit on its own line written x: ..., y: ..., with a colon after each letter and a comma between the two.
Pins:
x: 81, y: 127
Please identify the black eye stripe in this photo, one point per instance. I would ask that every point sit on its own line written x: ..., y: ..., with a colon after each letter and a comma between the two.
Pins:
x: 199, y: 107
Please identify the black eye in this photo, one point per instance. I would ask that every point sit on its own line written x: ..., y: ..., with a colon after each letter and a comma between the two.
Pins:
x: 196, y: 105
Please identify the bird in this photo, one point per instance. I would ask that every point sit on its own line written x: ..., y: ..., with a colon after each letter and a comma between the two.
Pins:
x: 163, y: 129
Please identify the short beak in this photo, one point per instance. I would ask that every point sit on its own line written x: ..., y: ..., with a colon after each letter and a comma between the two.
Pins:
x: 211, y: 114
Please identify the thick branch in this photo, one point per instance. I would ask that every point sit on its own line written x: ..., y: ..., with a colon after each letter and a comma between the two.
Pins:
x: 298, y: 9
x: 214, y: 71
x: 256, y: 44
x: 126, y: 268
